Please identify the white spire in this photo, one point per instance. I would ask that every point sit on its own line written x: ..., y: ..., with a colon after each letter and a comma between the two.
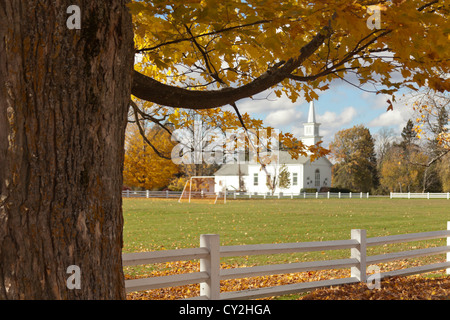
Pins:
x: 312, y: 113
x: 311, y: 128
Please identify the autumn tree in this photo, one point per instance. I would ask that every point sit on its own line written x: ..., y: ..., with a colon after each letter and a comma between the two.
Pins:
x: 432, y: 110
x: 384, y: 140
x: 428, y: 136
x: 284, y: 177
x: 402, y: 172
x: 408, y: 137
x: 443, y: 168
x: 65, y: 93
x: 354, y: 152
x: 143, y: 167
x: 402, y: 168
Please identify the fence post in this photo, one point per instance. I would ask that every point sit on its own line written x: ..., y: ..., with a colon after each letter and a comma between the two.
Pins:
x: 317, y: 195
x: 167, y: 193
x: 367, y: 195
x: 339, y: 196
x: 448, y: 244
x: 391, y: 195
x: 128, y: 193
x: 360, y: 195
x: 147, y: 194
x: 359, y: 253
x: 211, y: 265
x: 350, y: 195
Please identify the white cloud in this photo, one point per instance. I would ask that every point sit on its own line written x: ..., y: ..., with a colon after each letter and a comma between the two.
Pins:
x: 395, y: 118
x: 282, y: 117
x: 377, y: 102
x: 297, y: 131
x: 333, y: 120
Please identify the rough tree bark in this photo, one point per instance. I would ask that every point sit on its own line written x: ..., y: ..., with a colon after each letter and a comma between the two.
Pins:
x: 64, y: 96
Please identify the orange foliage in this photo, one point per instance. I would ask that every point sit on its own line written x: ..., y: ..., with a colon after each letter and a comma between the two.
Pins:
x: 415, y: 287
x: 143, y: 168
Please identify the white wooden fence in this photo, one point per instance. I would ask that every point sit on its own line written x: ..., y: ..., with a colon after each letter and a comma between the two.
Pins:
x: 210, y: 274
x: 427, y: 195
x: 249, y: 195
x: 301, y: 195
x: 280, y: 195
x: 151, y: 194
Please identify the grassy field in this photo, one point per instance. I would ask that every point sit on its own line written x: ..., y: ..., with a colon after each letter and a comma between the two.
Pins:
x: 166, y: 224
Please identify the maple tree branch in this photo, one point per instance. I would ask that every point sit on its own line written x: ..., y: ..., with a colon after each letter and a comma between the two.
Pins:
x: 349, y: 56
x: 356, y: 86
x: 146, y: 116
x: 212, y: 71
x: 141, y: 131
x: 202, y: 35
x: 433, y: 160
x: 149, y: 89
x: 427, y: 5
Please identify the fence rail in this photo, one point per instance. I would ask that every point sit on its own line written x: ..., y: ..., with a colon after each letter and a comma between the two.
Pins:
x: 427, y: 195
x: 280, y: 195
x: 151, y: 194
x: 248, y: 195
x: 210, y: 274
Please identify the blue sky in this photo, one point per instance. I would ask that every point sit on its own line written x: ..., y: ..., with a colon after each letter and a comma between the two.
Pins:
x: 340, y: 107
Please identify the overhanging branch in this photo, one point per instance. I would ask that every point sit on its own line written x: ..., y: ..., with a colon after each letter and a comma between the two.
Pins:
x: 152, y: 90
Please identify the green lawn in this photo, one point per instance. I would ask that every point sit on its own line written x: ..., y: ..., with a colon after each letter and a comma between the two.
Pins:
x: 166, y: 224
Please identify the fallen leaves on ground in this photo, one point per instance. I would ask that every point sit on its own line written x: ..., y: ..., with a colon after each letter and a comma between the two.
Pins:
x: 416, y: 287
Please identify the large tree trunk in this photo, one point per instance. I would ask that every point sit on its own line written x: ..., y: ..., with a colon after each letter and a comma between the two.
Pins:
x: 64, y: 96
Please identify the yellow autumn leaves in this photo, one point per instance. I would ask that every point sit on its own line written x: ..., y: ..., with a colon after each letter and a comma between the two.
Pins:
x: 236, y: 41
x: 416, y: 287
x: 143, y: 168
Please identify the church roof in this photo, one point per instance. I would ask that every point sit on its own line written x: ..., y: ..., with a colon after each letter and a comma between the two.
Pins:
x: 232, y: 169
x: 285, y: 158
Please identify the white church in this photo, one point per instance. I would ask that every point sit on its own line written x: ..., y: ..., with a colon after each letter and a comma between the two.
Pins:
x: 303, y: 173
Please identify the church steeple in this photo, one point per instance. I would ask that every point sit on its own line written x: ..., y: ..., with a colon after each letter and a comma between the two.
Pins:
x: 311, y: 128
x: 312, y: 113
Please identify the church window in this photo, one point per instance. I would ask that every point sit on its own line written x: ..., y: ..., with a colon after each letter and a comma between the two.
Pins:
x: 255, y: 179
x: 317, y: 178
x: 294, y: 178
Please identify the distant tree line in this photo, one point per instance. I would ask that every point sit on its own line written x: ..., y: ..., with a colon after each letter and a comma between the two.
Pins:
x: 416, y: 161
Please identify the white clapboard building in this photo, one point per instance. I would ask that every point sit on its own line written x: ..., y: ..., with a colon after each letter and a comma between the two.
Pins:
x: 303, y: 173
